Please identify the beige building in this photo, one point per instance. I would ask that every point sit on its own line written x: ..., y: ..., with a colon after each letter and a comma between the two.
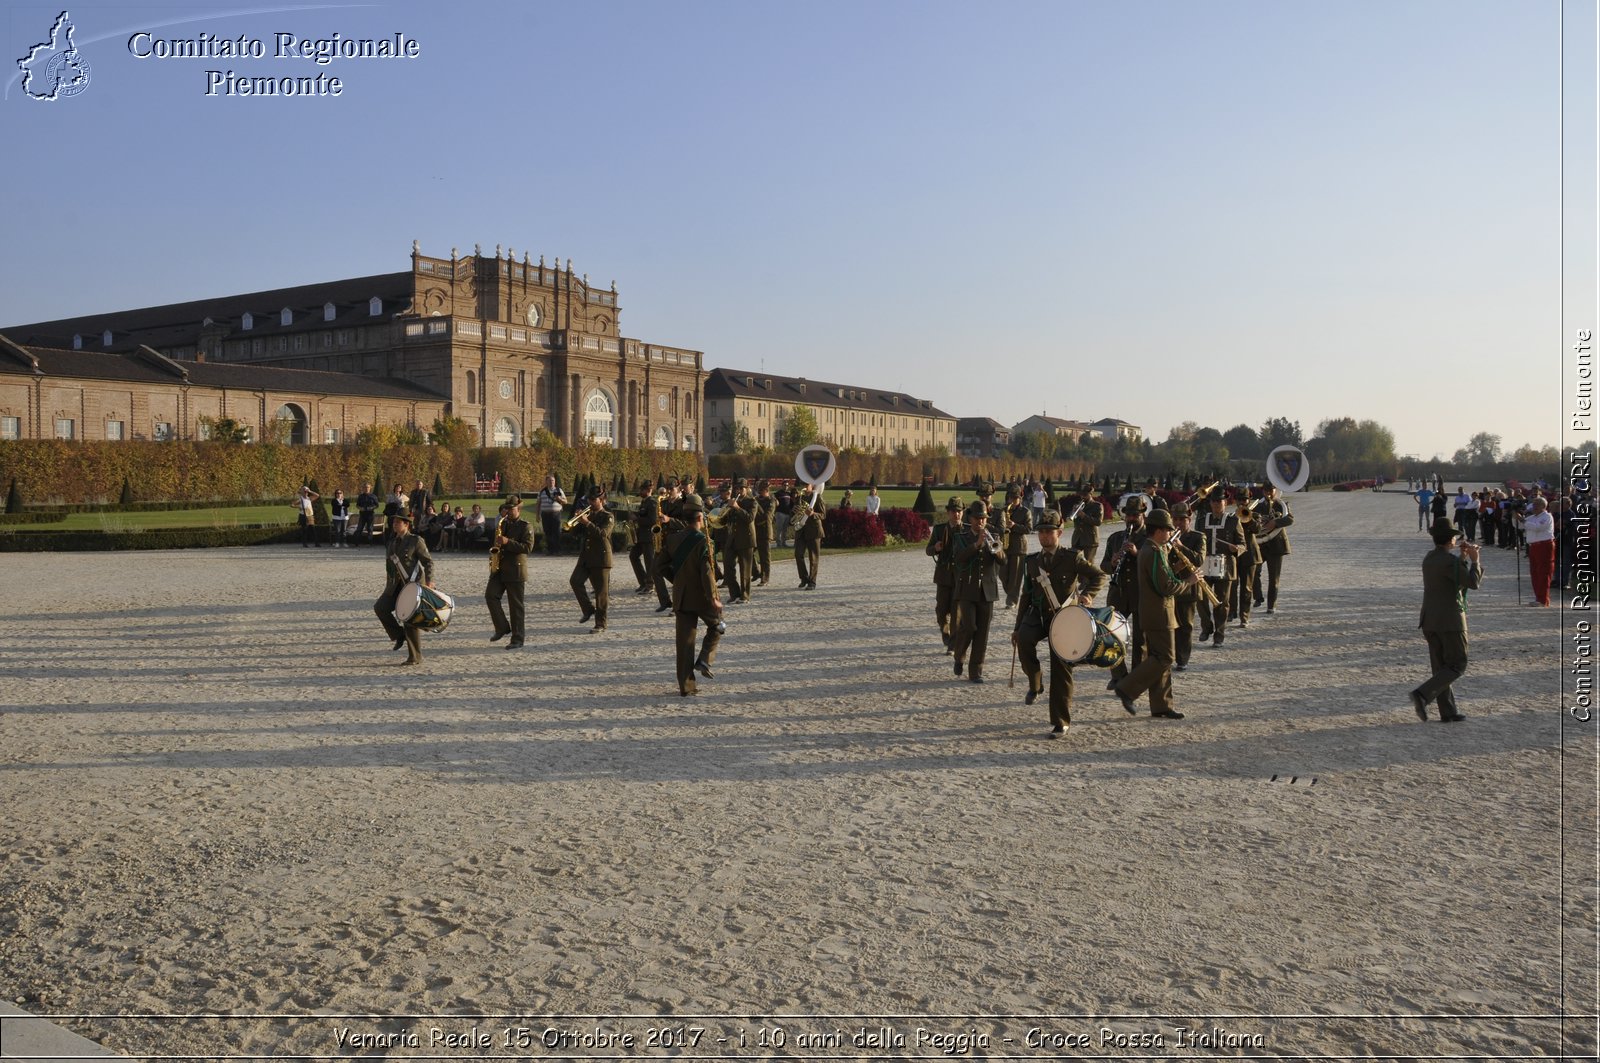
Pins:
x: 89, y: 395
x: 512, y: 346
x: 846, y: 415
x: 1107, y: 428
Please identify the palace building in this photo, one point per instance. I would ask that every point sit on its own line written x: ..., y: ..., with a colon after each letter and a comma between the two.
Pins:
x: 740, y: 401
x: 511, y: 347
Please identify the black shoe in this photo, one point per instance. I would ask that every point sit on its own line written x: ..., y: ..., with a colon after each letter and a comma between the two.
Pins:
x: 1456, y: 717
x: 514, y: 644
x: 1205, y: 636
x: 1271, y: 610
x: 498, y: 635
x: 642, y: 589
x: 1032, y: 696
x: 1127, y: 704
x: 974, y: 678
x: 588, y: 615
x: 1057, y: 731
x: 704, y: 669
x: 1217, y: 639
x: 958, y: 666
x: 598, y: 629
x: 811, y: 586
x: 401, y: 641
x: 803, y: 585
x: 663, y: 607
x: 1111, y: 684
x: 1168, y: 715
x: 1181, y: 667
x: 1244, y: 621
x: 1419, y: 703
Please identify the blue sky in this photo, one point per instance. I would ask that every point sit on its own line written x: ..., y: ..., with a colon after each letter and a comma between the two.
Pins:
x: 1219, y: 212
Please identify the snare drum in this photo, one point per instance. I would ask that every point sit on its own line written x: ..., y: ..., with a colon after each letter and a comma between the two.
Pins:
x: 1216, y: 567
x: 423, y: 607
x: 1081, y: 635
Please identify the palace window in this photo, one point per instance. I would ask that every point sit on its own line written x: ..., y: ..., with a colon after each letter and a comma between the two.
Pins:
x: 163, y: 431
x: 472, y: 386
x: 10, y: 428
x: 286, y: 316
x: 330, y: 435
x: 505, y: 432
x: 327, y: 311
x: 599, y: 417
x: 114, y: 430
x: 374, y: 307
x: 65, y: 428
x: 663, y: 440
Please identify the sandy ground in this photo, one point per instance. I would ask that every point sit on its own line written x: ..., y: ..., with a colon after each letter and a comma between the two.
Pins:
x: 232, y: 826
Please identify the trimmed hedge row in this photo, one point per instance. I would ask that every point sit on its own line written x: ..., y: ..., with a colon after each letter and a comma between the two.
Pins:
x: 152, y: 539
x: 75, y: 472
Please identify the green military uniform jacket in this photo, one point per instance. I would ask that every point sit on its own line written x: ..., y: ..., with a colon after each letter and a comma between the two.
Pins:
x: 596, y: 531
x: 1158, y: 586
x: 976, y: 577
x: 1068, y: 573
x: 513, y: 567
x: 1446, y: 577
x: 694, y: 585
x: 406, y: 552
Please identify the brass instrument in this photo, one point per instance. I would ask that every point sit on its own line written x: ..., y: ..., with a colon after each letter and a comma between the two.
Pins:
x: 1200, y: 495
x: 582, y: 517
x: 494, y: 548
x: 1182, y: 567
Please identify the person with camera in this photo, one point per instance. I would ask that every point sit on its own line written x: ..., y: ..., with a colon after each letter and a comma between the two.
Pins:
x: 1446, y: 578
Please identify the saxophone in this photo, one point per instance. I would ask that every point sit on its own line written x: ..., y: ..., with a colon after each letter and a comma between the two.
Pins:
x: 494, y: 549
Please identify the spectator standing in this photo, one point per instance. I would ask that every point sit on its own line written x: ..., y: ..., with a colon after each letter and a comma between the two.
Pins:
x: 1462, y: 503
x: 338, y: 516
x: 366, y: 508
x: 782, y: 513
x: 874, y: 503
x: 551, y: 500
x: 1437, y: 506
x: 396, y: 505
x: 1540, y: 528
x: 420, y: 501
x: 1424, y: 498
x: 1037, y: 502
x: 308, y: 518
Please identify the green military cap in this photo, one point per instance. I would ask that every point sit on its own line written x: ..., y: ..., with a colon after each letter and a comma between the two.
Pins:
x: 954, y: 503
x: 1178, y: 509
x: 1159, y: 519
x: 977, y: 509
x: 1050, y: 519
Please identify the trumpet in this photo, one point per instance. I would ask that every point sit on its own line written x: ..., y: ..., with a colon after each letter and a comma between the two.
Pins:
x: 582, y: 517
x: 1200, y: 495
x: 1183, y: 566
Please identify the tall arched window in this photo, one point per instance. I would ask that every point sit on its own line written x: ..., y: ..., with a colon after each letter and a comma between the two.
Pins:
x: 663, y: 438
x: 294, y: 420
x: 688, y: 441
x: 505, y: 432
x: 599, y: 417
x: 472, y: 387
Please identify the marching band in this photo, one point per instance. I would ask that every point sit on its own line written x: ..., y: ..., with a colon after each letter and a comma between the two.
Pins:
x: 1159, y: 570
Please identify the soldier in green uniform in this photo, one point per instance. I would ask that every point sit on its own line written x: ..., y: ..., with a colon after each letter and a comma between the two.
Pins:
x: 509, y: 548
x: 808, y: 512
x: 1446, y: 578
x: 764, y: 507
x: 1052, y: 577
x: 1224, y: 541
x: 1122, y: 591
x: 642, y: 554
x: 594, y: 561
x: 1273, y: 538
x: 942, y: 548
x: 1018, y: 522
x: 739, y: 567
x: 978, y: 561
x: 404, y: 553
x: 694, y: 595
x: 1158, y: 585
x: 1191, y: 546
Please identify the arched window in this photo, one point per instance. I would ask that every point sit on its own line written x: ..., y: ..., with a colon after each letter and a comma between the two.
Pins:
x: 505, y: 432
x: 374, y: 307
x: 599, y: 417
x: 286, y: 316
x: 688, y: 441
x: 293, y: 418
x: 663, y: 438
x: 472, y: 387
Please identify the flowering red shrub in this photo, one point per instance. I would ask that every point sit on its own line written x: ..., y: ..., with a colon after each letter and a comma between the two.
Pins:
x: 851, y: 527
x: 908, y: 524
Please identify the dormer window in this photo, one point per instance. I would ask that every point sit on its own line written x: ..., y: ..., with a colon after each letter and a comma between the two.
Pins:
x: 327, y: 311
x: 375, y: 307
x: 286, y: 316
x: 248, y: 323
x: 105, y: 338
x: 77, y: 341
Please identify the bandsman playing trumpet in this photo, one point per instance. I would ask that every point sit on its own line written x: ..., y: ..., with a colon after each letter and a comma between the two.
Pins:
x: 509, y: 548
x: 594, y: 559
x: 1157, y: 585
x: 980, y: 557
x: 1053, y: 577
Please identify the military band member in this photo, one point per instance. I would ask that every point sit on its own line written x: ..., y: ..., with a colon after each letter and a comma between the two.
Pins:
x: 594, y: 561
x: 1274, y: 542
x: 1053, y: 577
x: 672, y: 528
x: 1019, y: 522
x: 1191, y: 546
x: 740, y: 521
x: 404, y: 553
x: 979, y: 559
x: 764, y: 508
x: 1446, y: 578
x: 694, y: 596
x: 509, y: 548
x: 1223, y: 540
x: 1158, y: 586
x: 809, y: 509
x: 1086, y: 525
x: 942, y: 548
x: 1122, y: 590
x: 642, y: 554
x: 1244, y: 580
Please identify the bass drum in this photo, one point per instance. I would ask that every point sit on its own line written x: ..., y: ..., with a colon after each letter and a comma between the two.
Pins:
x: 423, y: 607
x: 1081, y: 635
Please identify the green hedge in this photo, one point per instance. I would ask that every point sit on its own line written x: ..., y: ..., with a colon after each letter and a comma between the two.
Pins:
x: 153, y: 539
x: 65, y: 472
x: 35, y: 516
